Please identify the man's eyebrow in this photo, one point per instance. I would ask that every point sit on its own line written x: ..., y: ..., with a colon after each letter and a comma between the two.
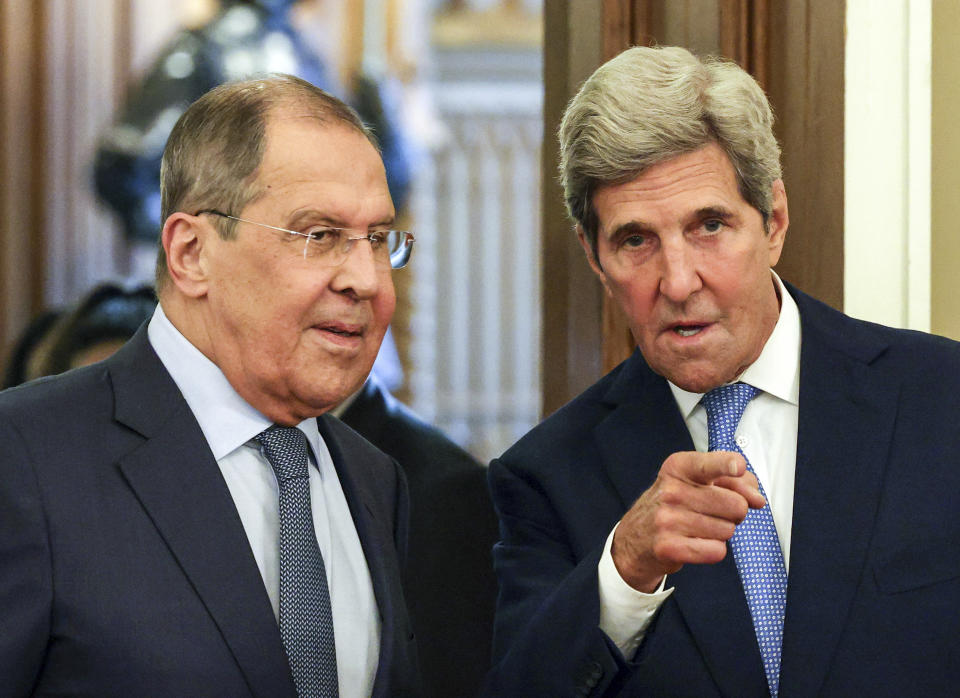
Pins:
x: 630, y: 228
x: 640, y: 227
x: 315, y: 216
x: 713, y: 212
x: 312, y: 216
x: 387, y: 222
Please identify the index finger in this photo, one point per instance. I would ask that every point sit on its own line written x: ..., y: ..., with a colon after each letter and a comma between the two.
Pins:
x: 705, y: 468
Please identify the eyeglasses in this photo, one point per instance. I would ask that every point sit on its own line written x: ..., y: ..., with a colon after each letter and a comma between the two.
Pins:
x: 330, y: 246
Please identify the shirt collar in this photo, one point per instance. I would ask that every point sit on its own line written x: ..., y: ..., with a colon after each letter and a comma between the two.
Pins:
x: 226, y: 419
x: 777, y: 370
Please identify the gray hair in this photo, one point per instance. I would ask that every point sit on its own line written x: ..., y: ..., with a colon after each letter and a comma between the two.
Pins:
x: 214, y: 151
x: 648, y: 105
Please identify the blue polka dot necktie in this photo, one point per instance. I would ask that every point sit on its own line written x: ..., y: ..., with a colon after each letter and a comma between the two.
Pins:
x: 306, y: 619
x: 755, y: 546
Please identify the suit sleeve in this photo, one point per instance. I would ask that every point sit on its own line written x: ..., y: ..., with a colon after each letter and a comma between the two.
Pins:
x: 547, y: 639
x: 25, y: 568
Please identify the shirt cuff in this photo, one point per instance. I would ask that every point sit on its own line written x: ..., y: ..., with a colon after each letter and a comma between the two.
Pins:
x: 625, y: 613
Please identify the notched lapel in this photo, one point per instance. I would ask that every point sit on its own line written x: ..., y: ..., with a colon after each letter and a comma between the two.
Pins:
x: 355, y: 489
x: 179, y: 485
x: 847, y: 413
x: 643, y: 428
x: 376, y: 539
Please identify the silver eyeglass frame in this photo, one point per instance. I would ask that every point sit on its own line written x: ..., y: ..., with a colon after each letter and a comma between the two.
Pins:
x: 398, y: 259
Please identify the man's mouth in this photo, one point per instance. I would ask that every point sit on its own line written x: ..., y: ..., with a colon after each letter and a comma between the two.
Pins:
x: 688, y: 330
x: 342, y: 329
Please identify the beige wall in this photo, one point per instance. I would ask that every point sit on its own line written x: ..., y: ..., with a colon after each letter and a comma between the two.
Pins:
x: 945, y: 179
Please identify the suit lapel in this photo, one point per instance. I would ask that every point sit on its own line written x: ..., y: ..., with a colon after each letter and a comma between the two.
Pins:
x: 643, y: 429
x: 847, y: 412
x: 180, y: 486
x: 376, y: 539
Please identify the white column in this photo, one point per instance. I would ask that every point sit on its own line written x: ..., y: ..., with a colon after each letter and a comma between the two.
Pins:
x: 887, y: 162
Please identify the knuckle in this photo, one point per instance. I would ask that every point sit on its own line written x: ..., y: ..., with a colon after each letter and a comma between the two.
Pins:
x: 679, y: 463
x: 663, y: 549
x: 671, y: 492
x: 670, y: 465
x: 663, y: 518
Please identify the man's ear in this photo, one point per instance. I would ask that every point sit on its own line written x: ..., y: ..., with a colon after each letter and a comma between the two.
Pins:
x: 591, y: 257
x: 183, y: 238
x: 778, y: 223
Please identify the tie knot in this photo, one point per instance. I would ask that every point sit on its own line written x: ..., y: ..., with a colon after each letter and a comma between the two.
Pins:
x: 725, y: 406
x: 286, y: 449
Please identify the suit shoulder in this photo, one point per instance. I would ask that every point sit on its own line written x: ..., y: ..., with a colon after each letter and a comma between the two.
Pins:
x: 904, y: 339
x: 871, y: 341
x: 927, y: 365
x: 929, y: 362
x: 943, y: 348
x: 565, y: 429
x: 58, y: 397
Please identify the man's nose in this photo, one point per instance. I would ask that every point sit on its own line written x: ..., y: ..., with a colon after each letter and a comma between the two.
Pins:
x: 679, y: 277
x: 359, y: 272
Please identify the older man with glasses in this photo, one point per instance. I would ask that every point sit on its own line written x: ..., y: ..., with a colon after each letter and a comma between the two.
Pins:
x: 181, y: 519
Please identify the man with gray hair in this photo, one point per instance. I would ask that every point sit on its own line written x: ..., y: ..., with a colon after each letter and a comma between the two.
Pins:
x: 764, y: 498
x: 183, y: 519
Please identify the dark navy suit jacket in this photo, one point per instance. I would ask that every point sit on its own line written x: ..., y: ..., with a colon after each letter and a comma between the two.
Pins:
x: 873, y: 600
x: 124, y: 566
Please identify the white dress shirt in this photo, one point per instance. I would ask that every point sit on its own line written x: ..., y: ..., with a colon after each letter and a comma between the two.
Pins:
x: 767, y: 435
x: 229, y: 425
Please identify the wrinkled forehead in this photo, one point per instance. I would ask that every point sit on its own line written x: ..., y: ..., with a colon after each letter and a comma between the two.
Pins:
x: 703, y: 177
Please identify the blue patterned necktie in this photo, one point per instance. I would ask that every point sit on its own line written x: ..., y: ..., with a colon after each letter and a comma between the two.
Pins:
x: 306, y: 619
x: 756, y: 548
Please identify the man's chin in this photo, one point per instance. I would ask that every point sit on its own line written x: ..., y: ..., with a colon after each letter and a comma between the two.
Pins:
x: 323, y: 397
x: 692, y: 380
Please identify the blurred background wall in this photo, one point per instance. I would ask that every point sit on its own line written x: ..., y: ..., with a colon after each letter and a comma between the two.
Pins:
x: 944, y: 172
x: 500, y: 320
